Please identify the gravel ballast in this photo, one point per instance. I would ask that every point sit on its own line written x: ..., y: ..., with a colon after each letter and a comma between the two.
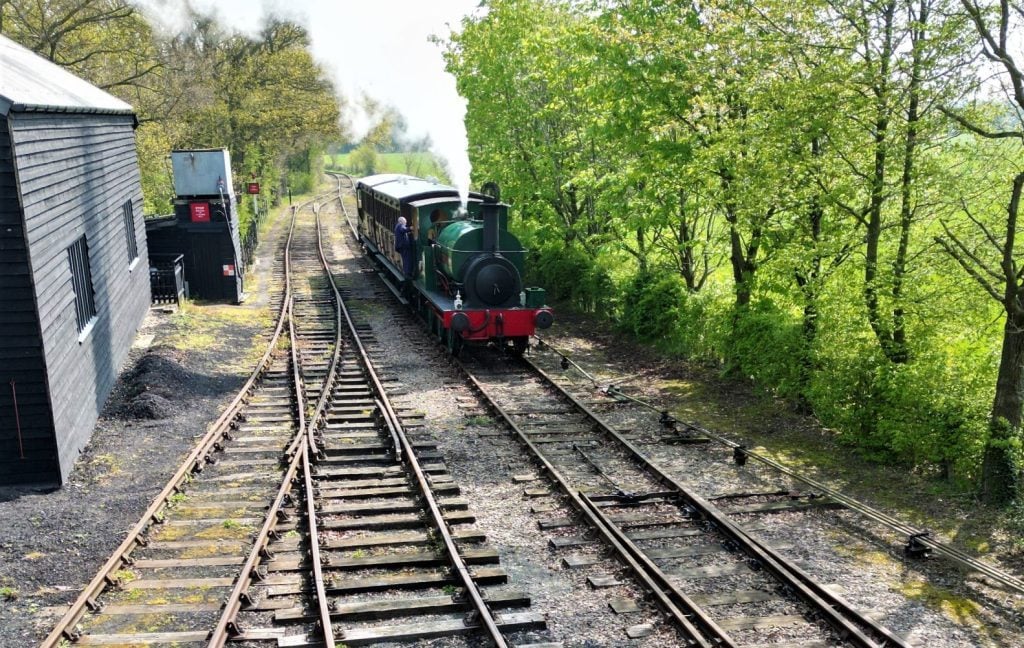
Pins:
x: 925, y: 601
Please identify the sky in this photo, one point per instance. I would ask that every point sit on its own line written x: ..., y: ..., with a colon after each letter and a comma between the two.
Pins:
x: 377, y: 46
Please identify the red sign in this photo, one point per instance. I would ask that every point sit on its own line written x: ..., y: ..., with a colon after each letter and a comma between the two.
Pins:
x: 229, y: 270
x: 200, y: 212
x: 252, y: 188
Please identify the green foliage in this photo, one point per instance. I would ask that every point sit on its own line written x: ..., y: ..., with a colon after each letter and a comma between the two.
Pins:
x: 769, y: 188
x: 765, y: 345
x: 364, y: 159
x: 652, y: 306
x: 262, y: 97
x: 570, y: 275
x: 923, y: 413
x: 304, y: 169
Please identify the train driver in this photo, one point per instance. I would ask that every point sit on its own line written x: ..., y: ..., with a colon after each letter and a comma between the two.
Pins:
x: 405, y: 245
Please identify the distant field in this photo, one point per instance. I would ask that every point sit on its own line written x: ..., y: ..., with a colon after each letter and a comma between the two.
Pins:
x: 417, y: 164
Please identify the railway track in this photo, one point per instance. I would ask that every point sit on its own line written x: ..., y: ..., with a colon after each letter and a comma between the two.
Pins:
x: 304, y: 517
x: 720, y: 585
x: 703, y: 561
x: 169, y: 575
x: 715, y: 449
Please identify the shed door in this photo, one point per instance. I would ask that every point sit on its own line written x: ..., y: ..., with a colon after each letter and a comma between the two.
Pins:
x: 207, y: 276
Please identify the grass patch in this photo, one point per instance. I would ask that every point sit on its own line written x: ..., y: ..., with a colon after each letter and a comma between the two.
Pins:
x: 958, y: 609
x: 205, y: 327
x: 125, y: 576
x: 8, y: 594
x: 226, y: 530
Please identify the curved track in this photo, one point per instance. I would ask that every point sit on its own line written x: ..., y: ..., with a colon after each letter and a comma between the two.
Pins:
x: 673, y: 539
x: 304, y: 514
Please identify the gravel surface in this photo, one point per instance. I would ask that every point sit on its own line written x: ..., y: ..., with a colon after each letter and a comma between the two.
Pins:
x: 931, y: 602
x: 53, y: 543
x: 483, y: 460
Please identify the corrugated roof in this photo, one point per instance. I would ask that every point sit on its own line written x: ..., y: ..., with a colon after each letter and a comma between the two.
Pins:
x: 29, y: 82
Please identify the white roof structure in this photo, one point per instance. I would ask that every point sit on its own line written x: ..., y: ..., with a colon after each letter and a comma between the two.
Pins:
x: 30, y: 83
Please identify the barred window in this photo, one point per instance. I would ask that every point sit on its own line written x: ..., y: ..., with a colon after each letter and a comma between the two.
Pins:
x: 128, y: 214
x: 81, y: 282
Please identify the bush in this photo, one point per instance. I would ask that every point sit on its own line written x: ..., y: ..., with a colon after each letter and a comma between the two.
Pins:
x: 766, y: 345
x: 924, y: 414
x: 570, y: 274
x: 651, y: 307
x: 301, y: 182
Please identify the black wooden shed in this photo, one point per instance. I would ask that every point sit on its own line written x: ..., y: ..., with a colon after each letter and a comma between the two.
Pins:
x: 74, y: 281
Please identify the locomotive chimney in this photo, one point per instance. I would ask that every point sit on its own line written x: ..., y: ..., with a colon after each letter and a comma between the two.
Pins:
x: 490, y: 215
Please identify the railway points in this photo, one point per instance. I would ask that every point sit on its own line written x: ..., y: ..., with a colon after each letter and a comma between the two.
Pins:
x: 354, y: 461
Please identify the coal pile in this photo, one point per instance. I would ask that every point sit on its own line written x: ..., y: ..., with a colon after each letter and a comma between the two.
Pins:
x: 150, y: 389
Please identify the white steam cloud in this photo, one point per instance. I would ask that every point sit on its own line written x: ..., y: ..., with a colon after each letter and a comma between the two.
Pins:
x: 381, y: 48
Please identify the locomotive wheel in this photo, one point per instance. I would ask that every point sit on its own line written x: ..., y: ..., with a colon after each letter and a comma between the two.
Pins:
x: 454, y: 342
x: 519, y: 345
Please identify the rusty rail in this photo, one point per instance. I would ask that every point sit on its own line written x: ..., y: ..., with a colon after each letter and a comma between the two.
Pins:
x: 200, y: 455
x: 484, y: 615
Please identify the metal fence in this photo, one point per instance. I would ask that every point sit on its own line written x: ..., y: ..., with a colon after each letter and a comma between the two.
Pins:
x: 167, y: 278
x: 252, y: 237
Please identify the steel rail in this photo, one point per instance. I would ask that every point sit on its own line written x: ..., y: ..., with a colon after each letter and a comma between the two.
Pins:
x: 307, y: 478
x: 338, y: 175
x: 323, y: 605
x: 483, y: 613
x: 842, y: 616
x: 914, y: 534
x: 702, y: 631
x: 227, y: 625
x: 200, y: 455
x: 293, y: 448
x: 325, y: 392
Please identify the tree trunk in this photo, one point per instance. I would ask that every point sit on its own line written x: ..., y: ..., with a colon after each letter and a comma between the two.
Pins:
x: 873, y: 232
x: 742, y: 259
x: 900, y: 354
x: 641, y: 247
x: 999, y: 473
x: 685, y: 238
x: 807, y: 281
x: 740, y: 273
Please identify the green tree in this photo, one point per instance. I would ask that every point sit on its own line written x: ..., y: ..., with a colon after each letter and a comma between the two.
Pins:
x: 989, y: 253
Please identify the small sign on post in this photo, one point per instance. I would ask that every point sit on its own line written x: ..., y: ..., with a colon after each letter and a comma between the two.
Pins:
x: 200, y: 212
x: 252, y: 188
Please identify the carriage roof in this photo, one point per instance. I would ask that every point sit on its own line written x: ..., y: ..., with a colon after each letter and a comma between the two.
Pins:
x: 404, y: 189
